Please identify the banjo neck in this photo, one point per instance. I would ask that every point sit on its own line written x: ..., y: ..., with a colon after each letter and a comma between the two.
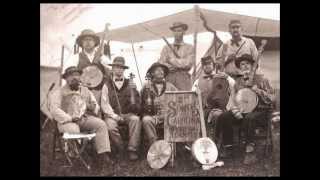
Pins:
x: 202, y: 121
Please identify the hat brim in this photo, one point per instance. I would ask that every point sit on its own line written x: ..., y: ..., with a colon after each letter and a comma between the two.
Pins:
x: 184, y: 26
x: 239, y: 60
x: 66, y: 74
x: 119, y: 65
x: 166, y: 69
x: 95, y: 38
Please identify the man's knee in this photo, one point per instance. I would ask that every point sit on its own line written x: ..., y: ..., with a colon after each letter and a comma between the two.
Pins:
x: 134, y: 119
x: 70, y: 128
x: 112, y: 125
x: 147, y: 120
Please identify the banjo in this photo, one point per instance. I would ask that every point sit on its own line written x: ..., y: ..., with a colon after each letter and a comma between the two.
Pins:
x: 204, y: 149
x: 92, y: 76
x: 246, y: 99
x: 74, y: 105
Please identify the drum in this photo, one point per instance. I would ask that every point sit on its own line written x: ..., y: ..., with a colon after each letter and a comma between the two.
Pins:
x: 205, y: 151
x: 159, y: 154
x: 246, y: 100
x: 219, y: 95
x: 91, y: 76
x: 74, y: 105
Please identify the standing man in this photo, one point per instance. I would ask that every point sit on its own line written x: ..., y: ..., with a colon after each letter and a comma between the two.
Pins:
x: 248, y: 121
x: 153, y: 116
x: 117, y: 92
x: 179, y: 58
x: 88, y: 122
x: 89, y: 41
x: 235, y: 47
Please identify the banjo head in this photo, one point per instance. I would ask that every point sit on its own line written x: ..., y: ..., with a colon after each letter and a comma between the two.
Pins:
x: 205, y: 151
x: 246, y: 100
x: 74, y: 105
x: 91, y: 76
x: 159, y: 154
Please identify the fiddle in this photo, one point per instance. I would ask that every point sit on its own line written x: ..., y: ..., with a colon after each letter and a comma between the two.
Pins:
x: 132, y: 89
x: 148, y: 98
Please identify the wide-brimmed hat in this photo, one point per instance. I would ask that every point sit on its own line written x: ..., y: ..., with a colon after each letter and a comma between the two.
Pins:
x: 71, y: 70
x: 119, y: 61
x: 244, y: 57
x: 85, y: 33
x: 179, y: 24
x: 207, y: 59
x: 157, y: 64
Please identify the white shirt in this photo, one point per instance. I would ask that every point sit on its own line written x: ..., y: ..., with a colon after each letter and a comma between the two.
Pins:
x: 118, y: 84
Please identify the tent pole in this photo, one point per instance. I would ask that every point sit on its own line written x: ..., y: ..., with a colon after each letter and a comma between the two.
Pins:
x: 61, y: 65
x: 135, y: 59
x: 195, y: 37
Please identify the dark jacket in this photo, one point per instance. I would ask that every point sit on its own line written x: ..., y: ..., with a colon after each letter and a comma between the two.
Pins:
x: 124, y: 94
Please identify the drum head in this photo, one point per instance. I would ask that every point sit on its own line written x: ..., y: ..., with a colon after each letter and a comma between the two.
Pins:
x: 205, y: 151
x: 246, y: 100
x: 74, y: 105
x: 91, y: 76
x: 159, y: 154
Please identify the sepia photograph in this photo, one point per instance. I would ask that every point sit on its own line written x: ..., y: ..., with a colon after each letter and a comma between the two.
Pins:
x: 160, y: 89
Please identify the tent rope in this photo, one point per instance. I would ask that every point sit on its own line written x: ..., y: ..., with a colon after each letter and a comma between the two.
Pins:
x: 135, y: 59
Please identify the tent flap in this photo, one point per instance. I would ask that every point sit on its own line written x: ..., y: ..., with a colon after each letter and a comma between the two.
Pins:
x: 217, y: 20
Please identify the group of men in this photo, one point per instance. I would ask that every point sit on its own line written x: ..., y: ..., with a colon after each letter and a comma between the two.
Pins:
x: 109, y: 106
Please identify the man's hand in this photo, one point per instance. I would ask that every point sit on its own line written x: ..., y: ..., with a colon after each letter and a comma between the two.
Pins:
x: 256, y: 89
x: 118, y: 118
x: 236, y: 112
x: 222, y: 74
x: 214, y: 114
x: 75, y: 119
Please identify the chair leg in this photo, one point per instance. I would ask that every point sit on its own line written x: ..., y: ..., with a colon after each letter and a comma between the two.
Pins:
x: 54, y: 146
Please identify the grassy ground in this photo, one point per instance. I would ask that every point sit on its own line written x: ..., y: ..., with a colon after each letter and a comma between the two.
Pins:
x: 183, y: 167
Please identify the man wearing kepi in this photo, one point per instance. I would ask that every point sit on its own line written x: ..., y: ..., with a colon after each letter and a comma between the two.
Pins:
x: 89, y: 41
x: 87, y: 121
x: 216, y: 96
x: 117, y: 92
x: 248, y: 121
x: 235, y: 47
x: 179, y: 58
x: 153, y: 100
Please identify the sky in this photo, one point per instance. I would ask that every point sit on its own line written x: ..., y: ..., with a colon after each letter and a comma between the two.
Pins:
x: 59, y: 28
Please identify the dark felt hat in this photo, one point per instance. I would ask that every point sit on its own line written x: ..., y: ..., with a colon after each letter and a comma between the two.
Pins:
x: 179, y: 24
x: 119, y: 61
x: 157, y: 64
x: 206, y: 60
x: 244, y: 57
x: 71, y: 70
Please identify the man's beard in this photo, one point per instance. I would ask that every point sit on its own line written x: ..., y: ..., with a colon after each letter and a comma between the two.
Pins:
x: 74, y: 85
x: 158, y: 80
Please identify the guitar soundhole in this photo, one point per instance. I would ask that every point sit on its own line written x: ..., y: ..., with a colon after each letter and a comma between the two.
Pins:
x: 219, y: 86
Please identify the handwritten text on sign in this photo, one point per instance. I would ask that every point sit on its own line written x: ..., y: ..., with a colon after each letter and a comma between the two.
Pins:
x: 182, y: 119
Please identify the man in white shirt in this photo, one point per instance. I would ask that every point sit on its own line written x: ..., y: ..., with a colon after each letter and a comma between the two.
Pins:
x: 234, y: 48
x: 71, y: 122
x: 89, y: 56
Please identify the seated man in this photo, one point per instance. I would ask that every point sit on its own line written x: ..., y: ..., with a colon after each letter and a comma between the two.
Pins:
x: 119, y: 110
x: 153, y: 91
x: 87, y: 122
x: 249, y: 120
x: 215, y: 101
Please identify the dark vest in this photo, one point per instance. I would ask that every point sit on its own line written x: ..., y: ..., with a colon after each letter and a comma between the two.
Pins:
x: 124, y: 97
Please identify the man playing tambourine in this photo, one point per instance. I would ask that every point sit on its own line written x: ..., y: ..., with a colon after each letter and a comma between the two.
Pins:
x: 250, y: 120
x: 74, y: 108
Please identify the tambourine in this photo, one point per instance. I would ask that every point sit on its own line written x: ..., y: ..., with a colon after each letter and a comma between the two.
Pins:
x: 91, y: 76
x: 159, y: 154
x: 246, y: 100
x: 205, y: 151
x: 74, y: 105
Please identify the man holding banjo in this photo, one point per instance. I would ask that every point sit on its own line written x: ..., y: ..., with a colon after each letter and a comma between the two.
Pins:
x: 75, y: 108
x: 252, y: 105
x: 91, y: 61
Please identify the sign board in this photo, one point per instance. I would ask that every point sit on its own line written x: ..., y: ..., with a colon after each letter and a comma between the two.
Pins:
x: 182, y: 118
